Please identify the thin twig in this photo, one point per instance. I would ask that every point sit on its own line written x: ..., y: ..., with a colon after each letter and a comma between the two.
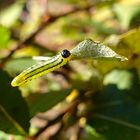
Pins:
x: 57, y: 119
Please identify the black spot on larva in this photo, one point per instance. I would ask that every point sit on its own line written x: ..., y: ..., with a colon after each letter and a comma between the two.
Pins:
x: 65, y: 53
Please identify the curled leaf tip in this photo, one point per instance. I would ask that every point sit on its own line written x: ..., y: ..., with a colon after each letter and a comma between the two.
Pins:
x: 124, y: 58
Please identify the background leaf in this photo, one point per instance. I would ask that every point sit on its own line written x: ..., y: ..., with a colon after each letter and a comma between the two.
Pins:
x: 126, y: 13
x: 4, y: 37
x: 117, y: 111
x: 48, y: 100
x: 14, y: 114
x: 24, y: 63
x: 9, y: 15
x: 92, y: 134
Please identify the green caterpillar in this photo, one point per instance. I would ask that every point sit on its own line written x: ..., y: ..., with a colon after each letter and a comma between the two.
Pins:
x: 85, y: 49
x: 41, y: 69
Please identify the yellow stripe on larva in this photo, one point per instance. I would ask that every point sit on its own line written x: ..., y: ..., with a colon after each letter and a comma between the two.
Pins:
x: 40, y: 69
x: 86, y: 49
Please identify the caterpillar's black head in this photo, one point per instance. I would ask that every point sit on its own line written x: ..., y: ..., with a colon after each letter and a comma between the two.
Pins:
x: 65, y: 53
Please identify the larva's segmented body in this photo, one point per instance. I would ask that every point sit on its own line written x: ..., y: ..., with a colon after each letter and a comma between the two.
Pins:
x: 85, y: 49
x: 42, y: 68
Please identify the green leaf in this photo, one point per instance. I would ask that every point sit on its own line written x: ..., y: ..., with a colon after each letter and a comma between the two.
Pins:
x: 24, y: 63
x: 4, y: 37
x: 14, y: 114
x: 131, y: 40
x: 46, y: 101
x: 4, y: 136
x: 102, y: 28
x: 92, y: 134
x: 11, y: 14
x: 116, y: 113
x: 121, y: 78
x: 95, y: 50
x: 128, y: 43
x: 126, y: 13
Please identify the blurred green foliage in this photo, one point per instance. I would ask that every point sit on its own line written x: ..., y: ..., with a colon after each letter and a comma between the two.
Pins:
x: 84, y: 100
x: 5, y: 36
